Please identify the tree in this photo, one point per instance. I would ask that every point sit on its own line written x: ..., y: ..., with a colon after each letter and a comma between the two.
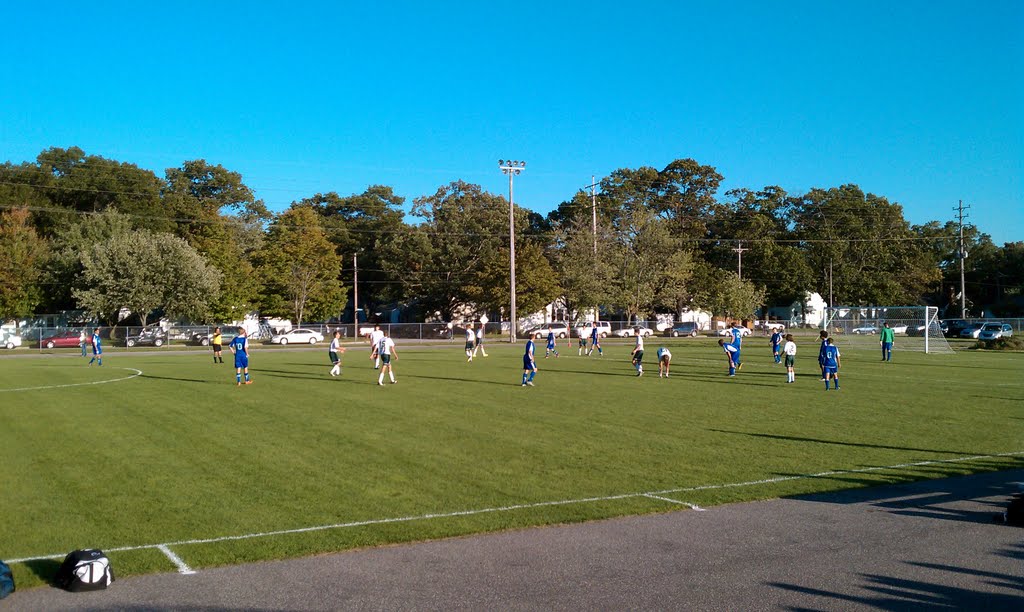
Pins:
x: 875, y: 257
x: 21, y: 255
x: 724, y: 294
x: 63, y: 270
x: 298, y: 268
x: 583, y: 263
x: 145, y: 272
x: 536, y: 281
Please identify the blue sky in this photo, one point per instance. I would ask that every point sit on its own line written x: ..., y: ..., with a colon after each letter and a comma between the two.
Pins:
x: 922, y: 102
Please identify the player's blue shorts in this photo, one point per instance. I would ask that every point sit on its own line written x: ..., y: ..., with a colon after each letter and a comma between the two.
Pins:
x: 887, y: 346
x: 551, y: 346
x: 241, y: 360
x: 831, y: 370
x: 775, y: 348
x: 528, y: 363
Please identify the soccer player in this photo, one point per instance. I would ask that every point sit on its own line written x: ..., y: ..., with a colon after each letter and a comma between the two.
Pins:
x: 823, y: 334
x: 551, y: 344
x: 239, y: 346
x: 776, y: 340
x: 885, y: 338
x: 470, y: 343
x: 832, y: 363
x: 375, y: 337
x: 638, y: 352
x: 664, y: 361
x: 529, y: 364
x: 480, y: 341
x: 97, y: 348
x: 737, y: 341
x: 81, y: 341
x: 582, y: 342
x: 790, y: 350
x: 595, y: 340
x: 731, y: 352
x: 333, y: 353
x: 385, y: 352
x: 217, y: 342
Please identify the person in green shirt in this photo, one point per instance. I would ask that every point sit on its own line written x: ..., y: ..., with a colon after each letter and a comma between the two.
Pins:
x: 885, y: 339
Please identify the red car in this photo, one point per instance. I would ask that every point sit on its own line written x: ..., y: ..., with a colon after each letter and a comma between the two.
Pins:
x: 65, y: 339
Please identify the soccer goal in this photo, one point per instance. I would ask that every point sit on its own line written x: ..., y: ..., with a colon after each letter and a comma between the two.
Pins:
x: 916, y: 327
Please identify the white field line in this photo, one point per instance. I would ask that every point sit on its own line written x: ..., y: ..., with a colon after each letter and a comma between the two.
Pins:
x: 176, y: 560
x: 98, y: 382
x: 675, y: 501
x: 585, y: 500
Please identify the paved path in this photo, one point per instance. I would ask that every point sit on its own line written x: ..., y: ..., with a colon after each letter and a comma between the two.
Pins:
x: 929, y: 545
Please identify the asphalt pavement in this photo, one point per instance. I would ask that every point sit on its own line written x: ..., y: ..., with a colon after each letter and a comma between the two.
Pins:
x: 929, y: 545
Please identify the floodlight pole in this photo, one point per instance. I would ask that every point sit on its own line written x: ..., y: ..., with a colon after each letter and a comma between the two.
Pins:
x: 355, y: 293
x: 512, y: 168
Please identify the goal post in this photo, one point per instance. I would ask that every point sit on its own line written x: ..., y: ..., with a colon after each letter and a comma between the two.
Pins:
x: 916, y: 328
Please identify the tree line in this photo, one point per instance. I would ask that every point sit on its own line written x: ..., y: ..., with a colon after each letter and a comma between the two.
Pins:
x: 81, y: 231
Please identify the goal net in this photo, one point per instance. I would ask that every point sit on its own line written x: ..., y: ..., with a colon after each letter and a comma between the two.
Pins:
x: 916, y: 327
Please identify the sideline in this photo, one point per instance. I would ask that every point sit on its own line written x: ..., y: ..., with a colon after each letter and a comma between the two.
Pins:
x: 184, y: 569
x: 97, y: 382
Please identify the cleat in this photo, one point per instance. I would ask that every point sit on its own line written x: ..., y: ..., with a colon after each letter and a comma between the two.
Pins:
x: 238, y: 384
x: 248, y: 382
x: 524, y: 384
x: 529, y: 382
x: 380, y: 383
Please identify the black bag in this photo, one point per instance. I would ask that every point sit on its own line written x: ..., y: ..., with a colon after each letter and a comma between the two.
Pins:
x: 1014, y: 514
x: 85, y: 570
x: 6, y: 580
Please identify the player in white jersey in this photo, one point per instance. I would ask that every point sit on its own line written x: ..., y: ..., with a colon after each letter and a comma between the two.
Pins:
x: 480, y: 341
x: 470, y: 342
x: 386, y: 352
x: 790, y: 350
x: 375, y: 337
x: 335, y: 353
x: 664, y: 361
x: 638, y: 352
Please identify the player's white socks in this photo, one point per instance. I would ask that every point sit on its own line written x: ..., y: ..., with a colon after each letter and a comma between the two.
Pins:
x: 392, y: 376
x: 335, y: 370
x: 380, y: 379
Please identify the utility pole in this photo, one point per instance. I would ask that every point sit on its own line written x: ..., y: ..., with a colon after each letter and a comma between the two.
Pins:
x: 512, y: 168
x: 355, y: 294
x: 593, y: 212
x: 739, y: 254
x: 962, y: 255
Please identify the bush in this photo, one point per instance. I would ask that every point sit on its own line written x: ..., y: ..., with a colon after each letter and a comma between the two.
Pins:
x: 1013, y: 343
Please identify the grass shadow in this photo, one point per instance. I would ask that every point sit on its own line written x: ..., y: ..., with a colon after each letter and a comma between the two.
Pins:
x: 836, y: 442
x: 44, y: 569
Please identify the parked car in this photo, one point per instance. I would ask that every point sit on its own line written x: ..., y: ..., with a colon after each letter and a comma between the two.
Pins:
x: 561, y: 330
x: 683, y: 328
x: 10, y: 341
x: 865, y: 330
x: 604, y: 329
x: 147, y: 337
x: 951, y: 328
x: 627, y: 332
x: 994, y: 331
x: 972, y: 330
x: 728, y: 331
x: 200, y: 339
x: 915, y: 330
x: 64, y: 339
x: 298, y: 336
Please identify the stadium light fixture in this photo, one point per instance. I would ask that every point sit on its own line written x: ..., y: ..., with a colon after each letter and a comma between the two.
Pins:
x: 512, y: 168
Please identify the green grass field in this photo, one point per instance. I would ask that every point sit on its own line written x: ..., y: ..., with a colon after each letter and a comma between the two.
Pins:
x: 180, y: 456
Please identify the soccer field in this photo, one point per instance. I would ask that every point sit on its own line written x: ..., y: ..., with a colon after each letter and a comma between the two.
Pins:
x: 160, y: 460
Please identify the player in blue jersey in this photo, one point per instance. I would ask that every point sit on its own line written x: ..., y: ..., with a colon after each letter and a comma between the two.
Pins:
x: 737, y: 342
x: 239, y: 346
x: 97, y: 348
x: 551, y: 344
x: 595, y: 340
x: 831, y: 363
x: 731, y: 352
x: 821, y: 352
x: 776, y: 341
x: 529, y: 364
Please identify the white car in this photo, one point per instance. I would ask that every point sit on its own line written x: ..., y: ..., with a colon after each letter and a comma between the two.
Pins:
x: 627, y: 332
x: 298, y: 336
x: 867, y: 329
x: 728, y: 331
x: 559, y: 329
x: 11, y: 341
